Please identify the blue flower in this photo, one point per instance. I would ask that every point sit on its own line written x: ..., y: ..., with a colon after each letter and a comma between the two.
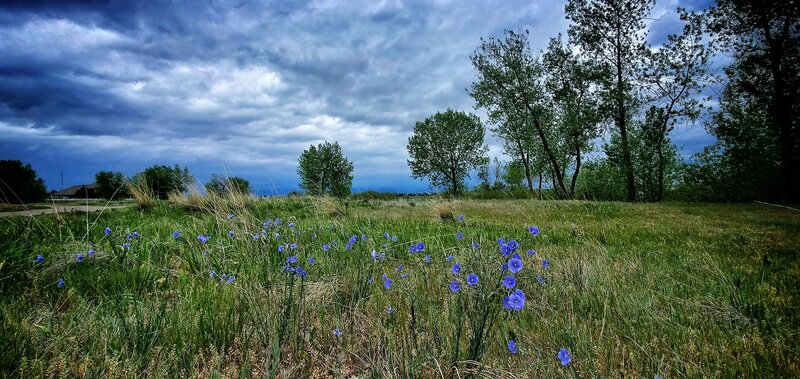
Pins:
x: 512, y: 347
x: 291, y: 260
x: 533, y: 230
x: 39, y: 258
x: 255, y: 237
x: 91, y: 252
x: 326, y: 247
x: 389, y: 310
x: 509, y: 282
x: 311, y: 260
x: 293, y: 246
x: 126, y: 246
x: 107, y: 231
x: 281, y: 248
x: 449, y: 258
x: 212, y: 274
x: 203, y: 239
x: 400, y: 268
x: 403, y: 276
x: 135, y: 234
x: 79, y: 258
x: 540, y: 279
x: 516, y: 300
x: 387, y: 282
x: 394, y: 238
x: 531, y: 252
x: 472, y: 279
x: 302, y: 273
x: 230, y: 216
x: 277, y: 221
x: 515, y: 265
x: 545, y: 263
x: 501, y: 241
x: 461, y: 218
x: 516, y: 256
x: 337, y: 332
x: 513, y: 245
x: 60, y: 282
x: 455, y: 269
x: 291, y: 225
x: 412, y: 248
x: 420, y: 246
x: 427, y: 259
x: 370, y: 280
x: 363, y: 237
x: 476, y: 245
x: 459, y: 236
x: 563, y: 355
x: 176, y: 234
x: 386, y: 234
x: 267, y: 223
x: 230, y: 233
x: 277, y: 235
x: 230, y: 279
x: 455, y: 286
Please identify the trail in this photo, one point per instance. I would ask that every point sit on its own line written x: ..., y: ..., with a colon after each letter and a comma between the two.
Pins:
x: 61, y: 209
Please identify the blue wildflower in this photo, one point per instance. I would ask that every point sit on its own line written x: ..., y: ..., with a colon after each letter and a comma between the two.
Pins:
x: 455, y: 269
x: 531, y: 252
x: 387, y: 282
x: 281, y: 248
x: 293, y: 246
x: 107, y: 231
x: 420, y: 246
x: 412, y: 248
x: 291, y: 260
x: 311, y: 260
x: 400, y: 268
x: 230, y: 233
x: 509, y: 282
x: 533, y: 230
x: 230, y: 279
x: 39, y: 258
x: 386, y: 234
x: 203, y: 239
x: 461, y: 218
x: 403, y: 276
x: 337, y: 332
x: 267, y: 223
x: 326, y: 247
x: 540, y: 279
x: 135, y: 234
x: 79, y: 258
x: 516, y: 256
x: 394, y: 238
x: 472, y: 279
x: 91, y: 252
x: 230, y: 216
x: 455, y: 286
x: 389, y: 310
x: 302, y: 273
x: 205, y: 253
x: 60, y: 282
x: 427, y: 259
x: 176, y: 234
x: 363, y: 237
x: 515, y: 265
x: 449, y: 258
x: 459, y: 236
x: 512, y: 347
x: 370, y: 280
x: 255, y: 237
x: 545, y: 263
x: 516, y: 300
x: 212, y: 274
x: 126, y: 246
x: 564, y: 356
x: 476, y: 245
x: 291, y: 225
x: 277, y: 221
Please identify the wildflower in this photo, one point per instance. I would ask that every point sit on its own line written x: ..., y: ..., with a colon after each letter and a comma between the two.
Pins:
x: 563, y: 355
x: 459, y: 236
x: 230, y: 279
x: 291, y: 225
x: 516, y: 300
x: 389, y: 310
x: 205, y: 253
x: 412, y: 248
x: 545, y: 263
x: 91, y: 252
x: 267, y: 223
x: 230, y: 216
x: 449, y: 258
x: 281, y: 248
x: 79, y: 258
x: 326, y: 247
x: 126, y: 246
x: 513, y: 245
x: 516, y: 256
x: 533, y: 230
x: 394, y: 238
x: 107, y: 231
x: 501, y: 241
x: 337, y: 332
x: 476, y: 245
x: 540, y: 279
x: 455, y: 286
x: 403, y: 276
x: 255, y: 237
x: 311, y: 260
x: 277, y: 235
x: 335, y: 244
x: 386, y: 234
x: 400, y: 268
x: 39, y: 258
x: 370, y: 280
x: 60, y: 282
x: 427, y: 259
x: 203, y: 239
x: 506, y: 305
x: 531, y: 252
x: 504, y: 267
x: 472, y: 279
x: 387, y: 282
x: 291, y: 260
x: 512, y: 347
x: 455, y: 269
x: 293, y: 246
x: 420, y: 246
x: 302, y: 273
x: 230, y: 233
x: 212, y: 274
x: 277, y: 221
x: 515, y: 265
x: 363, y: 237
x: 509, y: 282
x: 176, y: 234
x: 461, y: 218
x: 135, y: 234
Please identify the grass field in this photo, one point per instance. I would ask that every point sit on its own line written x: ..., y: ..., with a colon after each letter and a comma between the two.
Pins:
x: 633, y: 290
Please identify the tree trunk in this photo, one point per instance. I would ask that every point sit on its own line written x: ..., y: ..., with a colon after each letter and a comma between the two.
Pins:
x: 783, y: 118
x: 540, y: 186
x: 660, y: 151
x: 577, y: 170
x: 558, y: 180
x: 621, y: 124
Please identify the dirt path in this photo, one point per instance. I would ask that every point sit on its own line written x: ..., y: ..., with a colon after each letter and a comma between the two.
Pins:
x: 61, y: 209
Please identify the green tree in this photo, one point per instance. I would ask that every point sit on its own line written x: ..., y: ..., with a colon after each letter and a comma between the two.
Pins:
x: 325, y: 170
x: 445, y: 147
x: 513, y: 175
x: 111, y: 185
x: 612, y: 33
x: 19, y: 184
x: 764, y: 39
x: 510, y: 86
x: 483, y: 175
x: 223, y: 185
x: 163, y: 180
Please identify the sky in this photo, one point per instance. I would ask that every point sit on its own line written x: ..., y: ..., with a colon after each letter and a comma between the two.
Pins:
x: 241, y: 88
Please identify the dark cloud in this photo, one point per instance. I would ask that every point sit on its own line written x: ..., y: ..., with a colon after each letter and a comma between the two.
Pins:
x: 241, y: 87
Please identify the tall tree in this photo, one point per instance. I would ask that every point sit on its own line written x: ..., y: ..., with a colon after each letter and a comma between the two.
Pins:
x: 676, y: 74
x: 111, y: 185
x: 162, y: 180
x: 612, y: 32
x: 221, y: 185
x: 19, y: 184
x: 571, y: 83
x: 764, y: 37
x: 510, y: 86
x: 325, y: 170
x: 445, y: 147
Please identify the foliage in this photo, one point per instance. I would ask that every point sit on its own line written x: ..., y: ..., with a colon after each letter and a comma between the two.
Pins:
x: 111, y: 185
x: 513, y: 175
x: 445, y: 147
x: 222, y: 185
x: 162, y: 180
x: 19, y: 184
x: 325, y: 170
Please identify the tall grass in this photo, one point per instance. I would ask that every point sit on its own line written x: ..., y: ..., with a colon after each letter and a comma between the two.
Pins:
x: 637, y: 290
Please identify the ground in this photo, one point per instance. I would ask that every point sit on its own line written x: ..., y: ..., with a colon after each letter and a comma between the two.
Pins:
x: 640, y: 290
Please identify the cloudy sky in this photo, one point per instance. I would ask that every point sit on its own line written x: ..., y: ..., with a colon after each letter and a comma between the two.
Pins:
x: 244, y: 87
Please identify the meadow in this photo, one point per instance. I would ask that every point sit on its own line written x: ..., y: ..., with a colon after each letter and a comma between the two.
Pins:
x: 314, y: 287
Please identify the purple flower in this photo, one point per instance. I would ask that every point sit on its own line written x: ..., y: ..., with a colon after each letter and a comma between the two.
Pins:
x: 563, y: 355
x: 455, y: 269
x: 386, y: 234
x: 277, y: 221
x: 255, y: 237
x: 472, y: 279
x: 515, y: 265
x: 512, y: 347
x: 326, y: 247
x: 135, y: 234
x: 455, y: 286
x: 291, y: 225
x: 337, y: 332
x: 545, y: 263
x: 60, y: 282
x: 509, y: 282
x: 403, y: 276
x: 533, y: 230
x: 107, y: 231
x: 176, y: 234
x: 370, y: 280
x: 79, y: 258
x: 293, y: 246
x: 540, y: 279
x: 459, y: 236
x: 516, y: 256
x: 39, y: 258
x: 394, y: 238
x: 516, y: 300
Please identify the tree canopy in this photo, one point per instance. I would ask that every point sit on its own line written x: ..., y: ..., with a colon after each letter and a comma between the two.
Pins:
x: 323, y: 169
x: 19, y: 183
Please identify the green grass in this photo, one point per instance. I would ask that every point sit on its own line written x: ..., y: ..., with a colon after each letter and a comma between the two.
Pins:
x: 634, y: 290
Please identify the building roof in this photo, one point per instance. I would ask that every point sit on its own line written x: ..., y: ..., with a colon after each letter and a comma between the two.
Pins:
x: 72, y: 191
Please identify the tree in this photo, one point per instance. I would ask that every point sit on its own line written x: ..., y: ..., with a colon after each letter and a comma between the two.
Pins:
x: 483, y: 175
x: 514, y: 174
x: 19, y: 184
x: 325, y: 170
x: 445, y: 147
x: 231, y: 185
x: 163, y: 180
x: 611, y: 32
x: 111, y: 185
x: 510, y: 86
x: 764, y: 37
